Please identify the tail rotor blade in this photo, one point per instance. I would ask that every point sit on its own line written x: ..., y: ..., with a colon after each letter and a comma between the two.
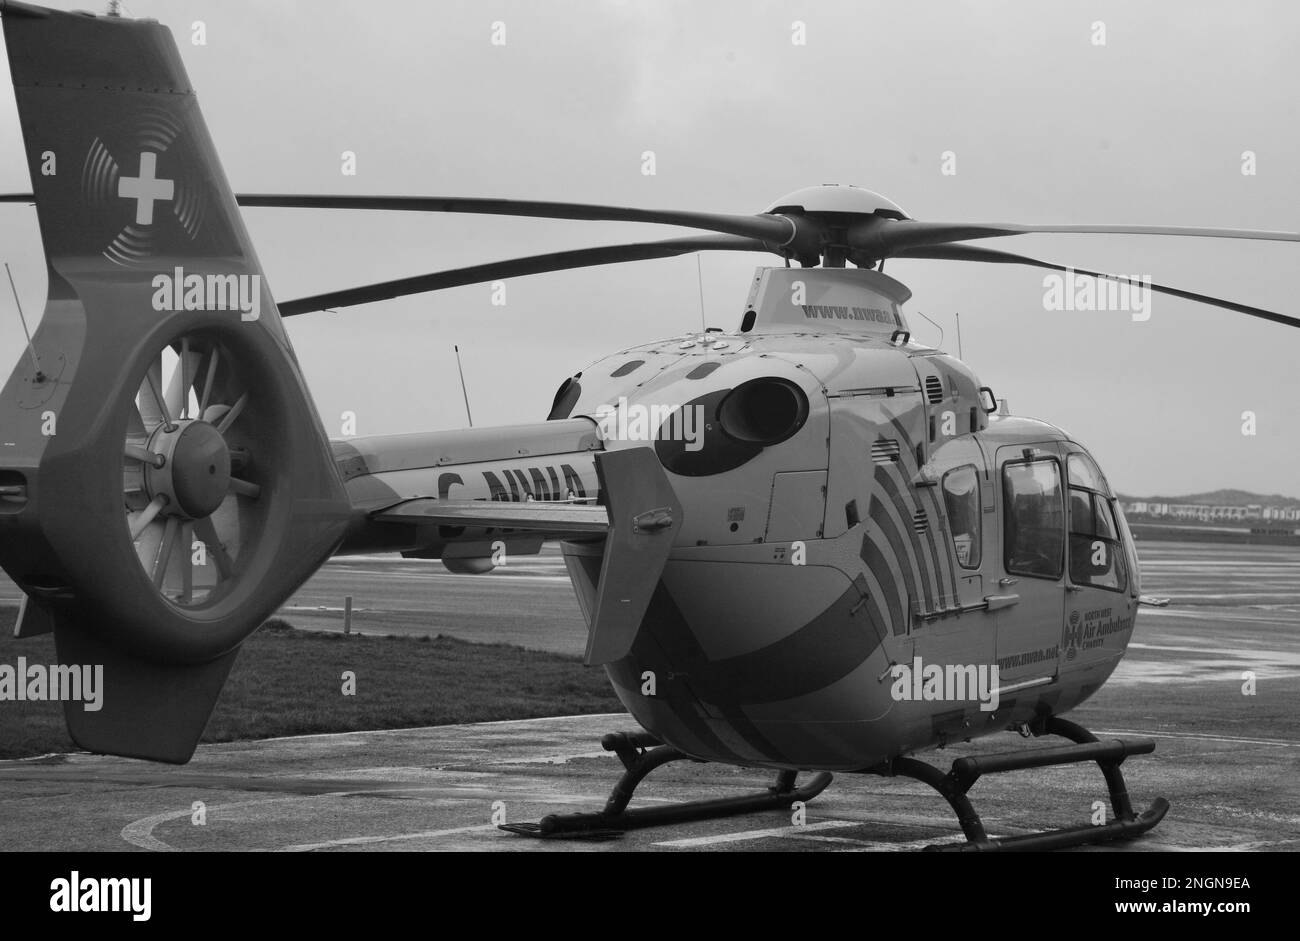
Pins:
x: 150, y: 400
x: 182, y: 379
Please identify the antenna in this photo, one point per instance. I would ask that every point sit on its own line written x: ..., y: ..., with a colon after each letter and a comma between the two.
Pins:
x: 463, y: 390
x: 40, y: 376
x: 938, y: 345
x: 699, y: 275
x: 958, y: 316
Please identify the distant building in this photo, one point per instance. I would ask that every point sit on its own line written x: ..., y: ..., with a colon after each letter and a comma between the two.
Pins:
x: 1208, y: 513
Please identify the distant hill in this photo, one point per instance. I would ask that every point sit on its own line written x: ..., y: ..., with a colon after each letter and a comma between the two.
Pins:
x: 1223, y: 498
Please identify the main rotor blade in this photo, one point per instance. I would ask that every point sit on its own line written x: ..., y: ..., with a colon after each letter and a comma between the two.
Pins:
x: 882, y: 235
x: 889, y: 237
x: 763, y: 226
x: 768, y: 228
x: 879, y: 236
x: 518, y: 267
x: 974, y: 253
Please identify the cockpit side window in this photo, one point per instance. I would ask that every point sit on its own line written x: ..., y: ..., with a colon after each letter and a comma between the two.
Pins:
x: 1130, y: 548
x: 1034, y: 520
x: 1096, y: 552
x: 1084, y: 472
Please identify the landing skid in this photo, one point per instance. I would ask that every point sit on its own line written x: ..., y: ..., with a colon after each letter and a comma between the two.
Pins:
x: 642, y: 753
x: 1109, y: 755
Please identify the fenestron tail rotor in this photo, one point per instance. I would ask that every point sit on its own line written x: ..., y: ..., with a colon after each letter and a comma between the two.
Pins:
x: 193, y: 509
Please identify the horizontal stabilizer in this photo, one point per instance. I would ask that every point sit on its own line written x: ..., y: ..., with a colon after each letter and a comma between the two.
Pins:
x: 559, y: 519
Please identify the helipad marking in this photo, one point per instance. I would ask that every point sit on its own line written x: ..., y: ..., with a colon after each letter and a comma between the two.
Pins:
x: 140, y: 832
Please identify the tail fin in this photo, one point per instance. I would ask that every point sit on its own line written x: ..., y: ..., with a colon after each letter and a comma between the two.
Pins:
x: 165, y: 483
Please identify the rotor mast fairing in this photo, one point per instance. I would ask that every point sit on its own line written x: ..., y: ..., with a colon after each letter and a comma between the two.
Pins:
x: 850, y: 301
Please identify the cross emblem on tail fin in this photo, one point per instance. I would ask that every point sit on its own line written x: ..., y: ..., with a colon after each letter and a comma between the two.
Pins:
x: 145, y: 189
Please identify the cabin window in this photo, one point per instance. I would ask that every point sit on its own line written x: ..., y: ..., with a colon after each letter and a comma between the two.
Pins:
x: 1095, y: 548
x: 961, y: 500
x: 1034, y: 519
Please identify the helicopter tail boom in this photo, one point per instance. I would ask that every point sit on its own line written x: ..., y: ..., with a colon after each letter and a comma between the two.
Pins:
x: 474, y: 498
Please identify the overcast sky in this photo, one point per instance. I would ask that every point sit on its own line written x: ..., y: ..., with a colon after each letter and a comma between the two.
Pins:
x: 1046, y: 126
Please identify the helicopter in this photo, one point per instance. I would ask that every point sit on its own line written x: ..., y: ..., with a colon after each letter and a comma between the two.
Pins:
x: 809, y: 544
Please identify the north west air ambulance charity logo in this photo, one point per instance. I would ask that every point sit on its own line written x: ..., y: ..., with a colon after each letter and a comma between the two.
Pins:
x: 150, y: 196
x: 1073, y: 636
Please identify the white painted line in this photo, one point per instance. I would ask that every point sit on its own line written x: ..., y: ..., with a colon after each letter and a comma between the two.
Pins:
x: 486, y: 578
x: 613, y: 716
x: 1231, y: 848
x: 1216, y: 565
x: 744, y: 835
x: 1215, y: 615
x: 878, y: 846
x: 1288, y: 591
x: 552, y: 759
x: 1192, y: 736
x: 391, y: 838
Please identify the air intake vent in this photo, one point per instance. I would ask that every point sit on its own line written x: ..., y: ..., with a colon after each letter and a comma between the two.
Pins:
x: 630, y: 366
x: 934, y: 389
x: 885, y: 451
x: 920, y: 522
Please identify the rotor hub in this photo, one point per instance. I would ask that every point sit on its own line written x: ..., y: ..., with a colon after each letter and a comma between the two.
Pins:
x: 830, y: 221
x: 840, y: 200
x: 194, y: 475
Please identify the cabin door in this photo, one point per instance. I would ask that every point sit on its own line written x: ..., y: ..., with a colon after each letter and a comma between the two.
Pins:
x: 1027, y: 594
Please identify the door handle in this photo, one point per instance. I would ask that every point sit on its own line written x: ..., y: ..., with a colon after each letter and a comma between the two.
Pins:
x: 1007, y: 582
x: 994, y: 602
